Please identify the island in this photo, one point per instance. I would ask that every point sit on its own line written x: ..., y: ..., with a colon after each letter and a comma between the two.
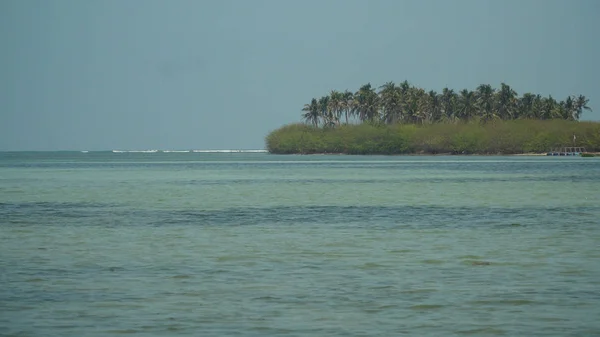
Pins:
x: 405, y: 119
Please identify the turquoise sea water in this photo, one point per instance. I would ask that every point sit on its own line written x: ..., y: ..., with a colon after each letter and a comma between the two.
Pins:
x: 252, y: 244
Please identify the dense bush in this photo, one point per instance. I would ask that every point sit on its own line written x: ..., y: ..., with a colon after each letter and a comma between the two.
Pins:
x: 498, y: 137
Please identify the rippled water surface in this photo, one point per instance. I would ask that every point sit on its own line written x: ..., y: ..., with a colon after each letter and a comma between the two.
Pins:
x: 205, y: 244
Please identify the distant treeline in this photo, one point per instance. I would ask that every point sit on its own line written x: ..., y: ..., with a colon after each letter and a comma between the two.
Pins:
x: 499, y: 137
x: 403, y: 119
x: 404, y: 103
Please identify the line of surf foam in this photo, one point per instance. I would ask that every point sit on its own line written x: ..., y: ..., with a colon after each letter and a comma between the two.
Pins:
x: 189, y: 151
x: 134, y: 151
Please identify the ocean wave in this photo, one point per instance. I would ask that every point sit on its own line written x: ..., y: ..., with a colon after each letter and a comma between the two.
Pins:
x: 188, y: 151
x: 135, y: 151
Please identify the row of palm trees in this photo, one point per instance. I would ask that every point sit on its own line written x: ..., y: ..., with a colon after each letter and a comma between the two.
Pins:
x: 404, y: 103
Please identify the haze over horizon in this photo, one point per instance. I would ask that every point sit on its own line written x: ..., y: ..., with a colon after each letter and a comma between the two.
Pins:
x: 154, y: 74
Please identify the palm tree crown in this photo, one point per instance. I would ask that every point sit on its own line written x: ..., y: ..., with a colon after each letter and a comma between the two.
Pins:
x: 404, y: 103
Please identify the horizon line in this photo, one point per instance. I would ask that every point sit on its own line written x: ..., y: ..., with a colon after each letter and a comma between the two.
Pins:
x: 150, y: 150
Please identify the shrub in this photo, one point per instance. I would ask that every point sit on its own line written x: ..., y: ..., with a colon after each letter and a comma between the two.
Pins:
x: 498, y: 137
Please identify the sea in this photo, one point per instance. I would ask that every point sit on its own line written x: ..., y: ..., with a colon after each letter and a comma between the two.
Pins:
x: 237, y: 243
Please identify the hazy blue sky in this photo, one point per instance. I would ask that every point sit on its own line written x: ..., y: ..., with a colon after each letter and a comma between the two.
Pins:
x: 220, y: 74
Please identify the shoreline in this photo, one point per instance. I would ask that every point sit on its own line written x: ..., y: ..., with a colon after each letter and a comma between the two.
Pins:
x: 504, y: 138
x: 596, y: 154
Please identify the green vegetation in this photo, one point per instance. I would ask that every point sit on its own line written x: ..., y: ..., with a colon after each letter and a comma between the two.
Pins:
x: 500, y: 137
x: 403, y: 119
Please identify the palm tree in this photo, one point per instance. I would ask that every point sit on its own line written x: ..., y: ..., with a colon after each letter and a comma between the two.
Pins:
x: 421, y: 110
x: 525, y: 106
x: 485, y: 103
x: 348, y: 104
x: 537, y: 107
x: 390, y: 99
x: 411, y: 106
x: 448, y: 102
x: 335, y: 106
x: 404, y: 87
x: 567, y: 109
x: 367, y: 103
x: 313, y: 112
x: 405, y: 103
x: 506, y: 102
x: 581, y: 103
x: 548, y: 107
x: 325, y: 112
x: 466, y: 104
x: 433, y: 102
x: 404, y: 91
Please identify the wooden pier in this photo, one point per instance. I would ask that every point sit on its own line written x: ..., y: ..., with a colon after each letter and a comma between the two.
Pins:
x: 567, y: 151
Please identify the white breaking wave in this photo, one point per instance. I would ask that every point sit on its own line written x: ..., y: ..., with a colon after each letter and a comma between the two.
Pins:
x: 187, y: 151
x: 135, y: 151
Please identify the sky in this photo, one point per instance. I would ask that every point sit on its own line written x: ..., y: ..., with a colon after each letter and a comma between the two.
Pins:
x: 222, y: 74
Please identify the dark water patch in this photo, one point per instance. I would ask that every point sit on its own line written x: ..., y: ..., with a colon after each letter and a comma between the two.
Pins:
x: 371, y: 265
x: 174, y: 327
x: 482, y: 331
x: 383, y: 287
x: 267, y: 298
x: 402, y: 251
x: 12, y: 191
x: 480, y: 263
x: 507, y: 225
x: 418, y: 290
x: 18, y: 307
x: 34, y: 295
x: 46, y: 212
x: 433, y: 261
x: 115, y: 269
x: 270, y: 331
x: 234, y: 258
x: 408, y: 217
x: 123, y: 331
x: 182, y: 277
x: 426, y: 307
x: 375, y: 309
x: 388, y: 180
x: 52, y: 205
x: 376, y: 217
x: 500, y: 302
x: 552, y: 319
x: 116, y: 304
x: 35, y: 279
x: 573, y: 272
